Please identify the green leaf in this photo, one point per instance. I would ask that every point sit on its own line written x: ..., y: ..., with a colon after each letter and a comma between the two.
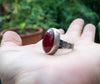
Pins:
x: 35, y: 26
x: 22, y: 25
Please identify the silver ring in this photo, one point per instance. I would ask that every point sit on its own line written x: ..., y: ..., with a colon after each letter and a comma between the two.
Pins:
x: 51, y: 42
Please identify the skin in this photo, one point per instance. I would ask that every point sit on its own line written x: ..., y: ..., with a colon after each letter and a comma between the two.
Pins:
x: 30, y: 65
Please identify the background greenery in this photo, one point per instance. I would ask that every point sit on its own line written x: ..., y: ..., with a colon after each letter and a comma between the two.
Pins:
x: 50, y: 13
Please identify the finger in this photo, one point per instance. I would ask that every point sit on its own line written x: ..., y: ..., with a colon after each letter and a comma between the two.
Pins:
x: 75, y: 28
x: 61, y: 31
x: 11, y: 38
x: 89, y: 32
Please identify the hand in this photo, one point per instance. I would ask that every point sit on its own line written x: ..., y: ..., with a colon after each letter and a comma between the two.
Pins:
x: 30, y: 65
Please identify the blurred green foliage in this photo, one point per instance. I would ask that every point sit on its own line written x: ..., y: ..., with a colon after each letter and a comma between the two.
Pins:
x: 49, y: 13
x: 31, y: 13
x: 74, y: 10
x: 93, y: 4
x: 7, y: 1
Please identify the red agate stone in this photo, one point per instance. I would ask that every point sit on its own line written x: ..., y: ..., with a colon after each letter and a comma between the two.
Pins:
x: 48, y: 40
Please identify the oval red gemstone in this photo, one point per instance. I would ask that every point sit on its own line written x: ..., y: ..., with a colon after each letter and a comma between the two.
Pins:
x: 48, y: 40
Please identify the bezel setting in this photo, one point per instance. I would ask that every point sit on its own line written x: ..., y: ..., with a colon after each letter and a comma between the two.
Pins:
x: 55, y: 43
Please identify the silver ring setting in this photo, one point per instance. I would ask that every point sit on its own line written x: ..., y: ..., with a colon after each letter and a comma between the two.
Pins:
x: 51, y: 42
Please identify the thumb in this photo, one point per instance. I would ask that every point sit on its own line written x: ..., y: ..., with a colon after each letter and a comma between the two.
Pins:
x: 11, y: 38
